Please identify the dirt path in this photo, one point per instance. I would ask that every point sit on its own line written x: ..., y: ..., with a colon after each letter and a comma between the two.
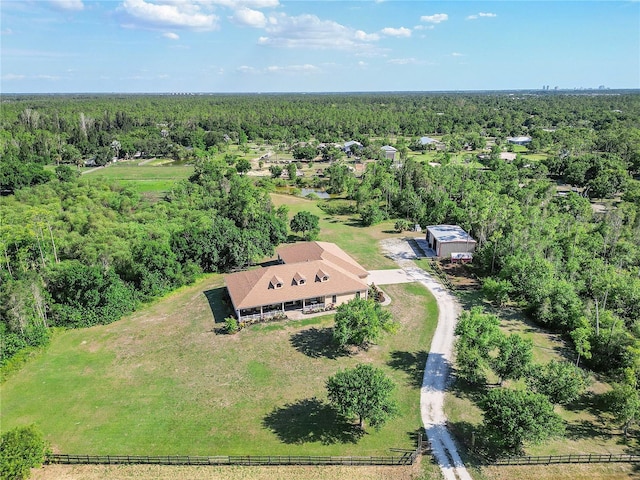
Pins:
x: 438, y: 368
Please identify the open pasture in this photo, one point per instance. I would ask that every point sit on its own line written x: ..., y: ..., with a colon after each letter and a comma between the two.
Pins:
x: 144, y: 178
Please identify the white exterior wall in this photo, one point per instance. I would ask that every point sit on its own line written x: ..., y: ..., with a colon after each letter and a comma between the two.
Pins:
x: 344, y: 298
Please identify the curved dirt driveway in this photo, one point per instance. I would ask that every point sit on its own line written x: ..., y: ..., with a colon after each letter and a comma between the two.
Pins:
x: 437, y: 370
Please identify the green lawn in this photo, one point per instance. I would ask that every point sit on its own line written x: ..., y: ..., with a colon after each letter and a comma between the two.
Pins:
x: 144, y: 178
x: 345, y: 231
x: 163, y: 382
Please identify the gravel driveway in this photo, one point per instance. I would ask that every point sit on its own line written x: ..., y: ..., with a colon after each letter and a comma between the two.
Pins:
x: 438, y: 368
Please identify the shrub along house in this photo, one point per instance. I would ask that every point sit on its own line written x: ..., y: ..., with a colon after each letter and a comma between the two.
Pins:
x: 310, y: 276
x: 447, y: 240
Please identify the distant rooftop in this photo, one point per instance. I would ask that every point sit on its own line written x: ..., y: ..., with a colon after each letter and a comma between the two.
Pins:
x: 520, y: 139
x: 427, y: 140
x: 388, y: 148
x: 449, y: 233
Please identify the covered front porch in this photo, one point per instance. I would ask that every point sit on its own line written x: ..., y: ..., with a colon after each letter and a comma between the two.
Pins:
x: 265, y: 312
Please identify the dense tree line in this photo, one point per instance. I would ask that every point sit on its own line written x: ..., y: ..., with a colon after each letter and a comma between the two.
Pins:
x: 70, y: 129
x: 575, y: 271
x: 78, y: 253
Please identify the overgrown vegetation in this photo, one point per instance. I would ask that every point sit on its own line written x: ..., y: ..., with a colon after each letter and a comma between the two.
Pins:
x: 78, y: 253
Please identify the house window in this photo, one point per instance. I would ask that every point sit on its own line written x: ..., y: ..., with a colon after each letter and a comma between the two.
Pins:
x: 325, y: 278
x: 301, y: 282
x: 278, y: 285
x: 334, y: 299
x: 357, y: 294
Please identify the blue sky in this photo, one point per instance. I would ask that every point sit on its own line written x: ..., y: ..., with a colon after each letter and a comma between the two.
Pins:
x: 316, y: 46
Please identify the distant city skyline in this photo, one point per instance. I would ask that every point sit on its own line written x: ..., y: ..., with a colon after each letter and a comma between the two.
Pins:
x: 250, y: 46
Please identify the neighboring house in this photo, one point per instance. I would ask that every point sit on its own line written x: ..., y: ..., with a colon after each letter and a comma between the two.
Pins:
x: 446, y: 240
x: 522, y: 140
x: 350, y: 146
x: 427, y: 141
x: 311, y: 275
x: 390, y: 152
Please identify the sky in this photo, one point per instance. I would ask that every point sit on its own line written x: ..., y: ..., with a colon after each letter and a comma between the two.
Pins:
x: 229, y: 46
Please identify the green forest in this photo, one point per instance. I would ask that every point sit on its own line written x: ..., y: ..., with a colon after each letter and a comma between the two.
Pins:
x: 78, y: 251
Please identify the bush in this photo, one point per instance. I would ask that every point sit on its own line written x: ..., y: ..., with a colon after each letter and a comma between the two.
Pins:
x: 21, y: 449
x: 401, y: 225
x: 231, y: 325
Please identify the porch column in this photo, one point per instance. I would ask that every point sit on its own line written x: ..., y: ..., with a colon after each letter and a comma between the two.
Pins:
x: 282, y: 307
x: 261, y: 313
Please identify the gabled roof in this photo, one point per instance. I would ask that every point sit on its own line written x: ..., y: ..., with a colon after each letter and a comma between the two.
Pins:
x: 352, y: 142
x: 427, y: 140
x: 308, y: 261
x: 330, y: 252
x: 389, y: 148
x: 251, y: 288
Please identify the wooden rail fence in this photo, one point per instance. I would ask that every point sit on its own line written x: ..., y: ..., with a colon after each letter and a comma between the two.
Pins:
x: 403, y: 457
x: 578, y: 458
x: 247, y: 460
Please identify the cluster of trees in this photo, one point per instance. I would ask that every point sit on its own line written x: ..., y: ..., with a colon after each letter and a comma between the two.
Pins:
x: 513, y: 416
x: 573, y: 270
x: 80, y: 253
x: 43, y: 130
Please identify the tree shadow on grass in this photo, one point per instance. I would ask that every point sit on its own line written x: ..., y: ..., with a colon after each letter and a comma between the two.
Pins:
x: 585, y: 429
x: 218, y: 303
x: 311, y: 420
x: 475, y: 449
x: 317, y: 342
x: 412, y: 363
x: 594, y: 403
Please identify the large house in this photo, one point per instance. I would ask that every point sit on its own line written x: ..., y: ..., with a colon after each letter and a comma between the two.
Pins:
x: 310, y: 276
x: 446, y: 240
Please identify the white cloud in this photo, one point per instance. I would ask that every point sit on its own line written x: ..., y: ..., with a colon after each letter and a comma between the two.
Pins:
x: 247, y: 69
x: 366, y: 37
x: 47, y: 77
x: 171, y: 36
x: 424, y: 27
x: 306, y: 68
x: 481, y: 15
x: 435, y: 18
x: 456, y: 54
x: 250, y: 18
x: 396, y: 32
x: 309, y: 31
x: 69, y: 5
x: 186, y: 14
x: 245, y: 3
x: 13, y: 76
x: 404, y: 61
x: 362, y: 64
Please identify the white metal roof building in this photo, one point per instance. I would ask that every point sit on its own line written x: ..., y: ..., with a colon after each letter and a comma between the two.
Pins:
x: 448, y: 239
x: 521, y: 140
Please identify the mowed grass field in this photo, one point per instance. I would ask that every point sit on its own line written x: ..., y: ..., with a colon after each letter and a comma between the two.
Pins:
x: 162, y: 381
x: 144, y: 178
